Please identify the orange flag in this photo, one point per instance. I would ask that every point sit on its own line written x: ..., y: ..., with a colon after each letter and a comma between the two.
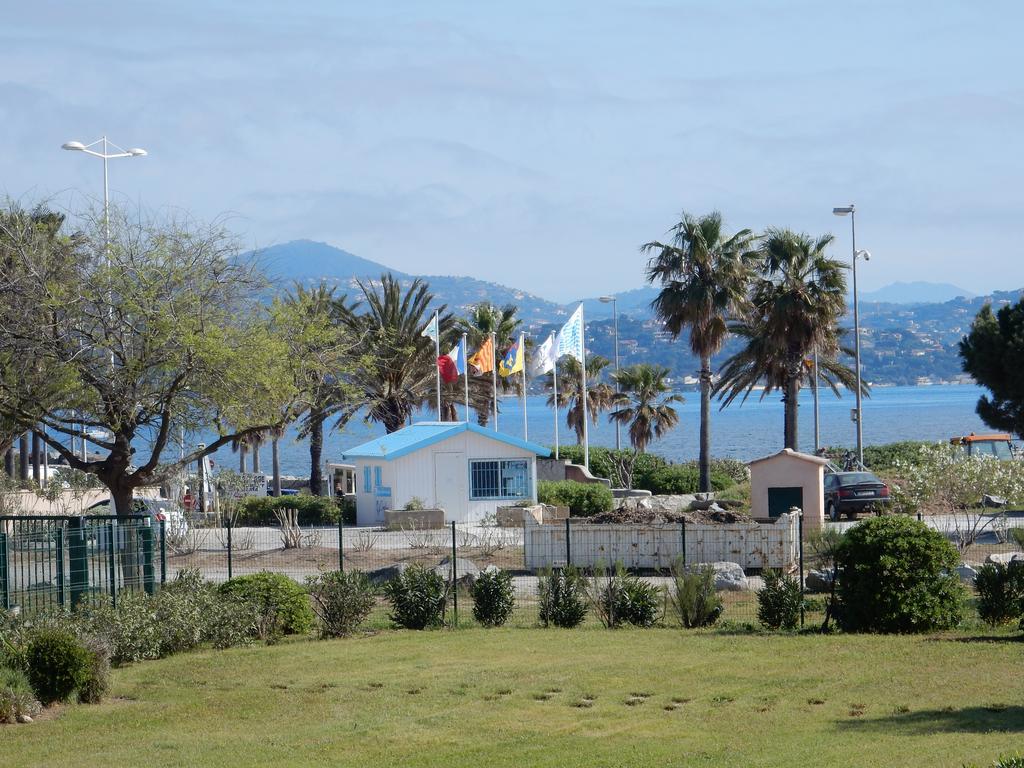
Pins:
x: 483, y: 359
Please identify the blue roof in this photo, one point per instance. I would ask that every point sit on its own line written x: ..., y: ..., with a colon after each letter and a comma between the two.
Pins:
x: 417, y: 436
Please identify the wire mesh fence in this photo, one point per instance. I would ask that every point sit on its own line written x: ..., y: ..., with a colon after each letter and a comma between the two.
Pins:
x: 63, y: 561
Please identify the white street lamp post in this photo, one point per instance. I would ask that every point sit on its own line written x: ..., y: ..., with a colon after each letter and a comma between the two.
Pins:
x: 843, y: 211
x: 615, y: 324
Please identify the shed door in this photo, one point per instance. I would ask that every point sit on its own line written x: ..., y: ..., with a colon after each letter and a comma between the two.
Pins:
x: 450, y: 481
x: 780, y: 500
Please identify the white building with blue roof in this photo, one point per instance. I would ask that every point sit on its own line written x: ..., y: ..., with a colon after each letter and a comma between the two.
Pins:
x: 460, y: 467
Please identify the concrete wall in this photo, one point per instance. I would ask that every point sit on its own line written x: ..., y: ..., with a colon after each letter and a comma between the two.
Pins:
x: 560, y: 469
x: 752, y: 545
x: 789, y: 469
x: 70, y: 503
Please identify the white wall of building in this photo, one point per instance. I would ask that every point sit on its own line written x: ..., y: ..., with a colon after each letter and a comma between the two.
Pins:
x: 439, y: 476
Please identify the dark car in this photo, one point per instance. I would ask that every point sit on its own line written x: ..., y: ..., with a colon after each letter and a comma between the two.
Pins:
x: 847, y: 493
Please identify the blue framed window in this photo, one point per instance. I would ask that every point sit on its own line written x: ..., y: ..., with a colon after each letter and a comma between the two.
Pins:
x: 376, y: 477
x: 366, y: 480
x: 499, y: 479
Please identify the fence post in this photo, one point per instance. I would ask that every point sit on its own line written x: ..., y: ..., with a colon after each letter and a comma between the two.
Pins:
x: 59, y: 558
x: 163, y: 551
x: 800, y: 534
x: 455, y: 584
x: 112, y: 560
x: 5, y: 587
x: 227, y: 522
x: 146, y: 534
x: 78, y: 561
x: 341, y: 542
x: 682, y: 536
x: 568, y: 544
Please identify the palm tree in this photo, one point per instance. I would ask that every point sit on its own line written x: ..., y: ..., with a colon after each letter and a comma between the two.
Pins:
x: 795, y: 306
x: 484, y: 319
x: 397, y: 366
x: 644, y: 403
x: 570, y: 391
x: 704, y: 274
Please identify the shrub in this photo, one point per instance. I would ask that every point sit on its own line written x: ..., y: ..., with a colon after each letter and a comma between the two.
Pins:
x: 624, y: 599
x: 16, y: 697
x: 493, y: 598
x: 1000, y: 592
x: 97, y: 680
x: 897, y: 575
x: 682, y: 478
x: 693, y: 595
x: 58, y: 664
x: 778, y: 602
x: 313, y: 510
x: 181, y: 610
x: 418, y: 596
x: 583, y: 499
x: 561, y: 598
x: 341, y: 601
x: 282, y: 605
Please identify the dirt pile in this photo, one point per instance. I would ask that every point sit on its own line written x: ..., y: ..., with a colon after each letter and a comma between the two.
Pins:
x: 659, y: 510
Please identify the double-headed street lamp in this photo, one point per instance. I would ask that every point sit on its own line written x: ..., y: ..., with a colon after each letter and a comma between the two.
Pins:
x: 615, y: 322
x: 861, y: 254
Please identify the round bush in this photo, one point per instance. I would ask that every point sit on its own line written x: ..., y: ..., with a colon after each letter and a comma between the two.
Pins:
x: 313, y: 510
x: 778, y: 602
x: 628, y: 599
x: 418, y: 596
x: 16, y: 696
x: 283, y: 604
x: 58, y: 664
x: 679, y: 479
x: 493, y: 598
x: 583, y: 499
x: 341, y: 601
x: 1000, y: 592
x: 897, y: 575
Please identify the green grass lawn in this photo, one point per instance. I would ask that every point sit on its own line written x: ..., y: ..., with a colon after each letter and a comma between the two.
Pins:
x: 532, y: 697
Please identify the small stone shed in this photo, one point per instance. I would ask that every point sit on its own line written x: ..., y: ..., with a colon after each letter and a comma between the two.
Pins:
x: 458, y: 467
x: 788, y: 479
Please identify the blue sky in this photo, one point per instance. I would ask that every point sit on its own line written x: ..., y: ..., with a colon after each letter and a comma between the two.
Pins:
x: 538, y: 144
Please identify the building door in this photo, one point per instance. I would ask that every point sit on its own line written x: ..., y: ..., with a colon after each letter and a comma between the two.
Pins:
x: 450, y: 485
x: 780, y: 500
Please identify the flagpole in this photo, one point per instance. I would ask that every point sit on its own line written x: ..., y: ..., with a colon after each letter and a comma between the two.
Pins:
x: 437, y: 354
x: 554, y: 387
x: 522, y: 347
x: 465, y: 376
x: 583, y: 378
x: 494, y: 375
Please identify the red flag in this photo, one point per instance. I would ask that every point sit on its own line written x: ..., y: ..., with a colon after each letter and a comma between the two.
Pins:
x: 449, y: 370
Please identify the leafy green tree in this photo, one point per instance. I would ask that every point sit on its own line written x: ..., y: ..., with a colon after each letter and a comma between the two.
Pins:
x: 158, y: 332
x: 397, y: 364
x: 704, y: 274
x: 644, y: 403
x: 993, y: 353
x: 795, y: 306
x: 570, y: 391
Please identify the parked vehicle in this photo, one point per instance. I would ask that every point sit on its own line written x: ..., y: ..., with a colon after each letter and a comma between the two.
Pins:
x: 158, y: 509
x: 847, y: 493
x: 998, y: 445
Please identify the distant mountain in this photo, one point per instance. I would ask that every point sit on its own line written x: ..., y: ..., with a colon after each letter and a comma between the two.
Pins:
x: 916, y: 292
x: 307, y: 260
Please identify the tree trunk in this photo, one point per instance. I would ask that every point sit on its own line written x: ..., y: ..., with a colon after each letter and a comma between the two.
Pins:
x: 37, y: 458
x: 705, y: 423
x: 9, y: 462
x: 241, y: 458
x: 256, y: 458
x: 275, y: 464
x: 316, y: 447
x: 791, y: 400
x: 23, y: 456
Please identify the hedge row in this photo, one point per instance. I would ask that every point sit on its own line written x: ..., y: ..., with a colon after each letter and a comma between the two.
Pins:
x: 313, y: 510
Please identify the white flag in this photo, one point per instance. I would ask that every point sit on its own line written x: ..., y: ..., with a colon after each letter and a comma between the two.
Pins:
x: 544, y: 357
x: 570, y: 338
x: 431, y: 331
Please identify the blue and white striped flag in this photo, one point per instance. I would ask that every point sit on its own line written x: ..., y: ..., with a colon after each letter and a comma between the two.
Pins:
x: 570, y: 338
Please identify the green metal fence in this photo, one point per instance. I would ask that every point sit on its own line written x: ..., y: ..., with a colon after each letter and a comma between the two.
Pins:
x: 61, y: 560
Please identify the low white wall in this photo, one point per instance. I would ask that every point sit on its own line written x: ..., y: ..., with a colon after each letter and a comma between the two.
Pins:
x: 752, y: 545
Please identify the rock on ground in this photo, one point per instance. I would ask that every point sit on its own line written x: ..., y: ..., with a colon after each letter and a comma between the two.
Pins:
x: 818, y: 581
x: 466, y: 571
x: 967, y: 573
x: 693, y: 508
x: 383, y: 575
x: 1005, y: 558
x: 729, y: 577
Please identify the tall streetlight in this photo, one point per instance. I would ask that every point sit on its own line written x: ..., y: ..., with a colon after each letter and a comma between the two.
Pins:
x: 615, y: 323
x: 851, y: 211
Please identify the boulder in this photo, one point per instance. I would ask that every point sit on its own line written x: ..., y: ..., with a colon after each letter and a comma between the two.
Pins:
x: 729, y: 577
x: 387, y: 573
x: 466, y: 571
x: 1005, y: 558
x: 818, y: 581
x: 967, y: 573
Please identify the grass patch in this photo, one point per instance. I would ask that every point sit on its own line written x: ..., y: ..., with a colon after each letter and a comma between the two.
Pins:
x: 702, y: 698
